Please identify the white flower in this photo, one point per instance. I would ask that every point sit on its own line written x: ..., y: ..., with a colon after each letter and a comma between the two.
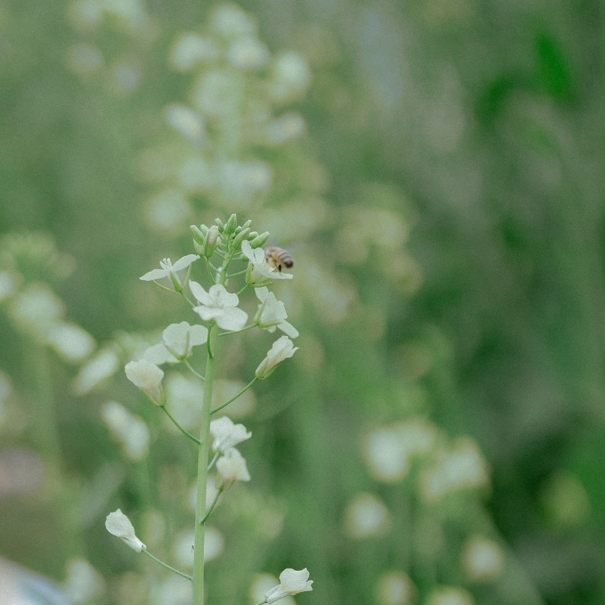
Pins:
x: 291, y: 582
x: 172, y: 273
x: 148, y: 377
x: 272, y: 314
x: 260, y: 272
x: 226, y: 434
x: 129, y: 429
x: 118, y: 524
x: 282, y: 349
x: 220, y: 306
x: 178, y: 342
x: 231, y: 467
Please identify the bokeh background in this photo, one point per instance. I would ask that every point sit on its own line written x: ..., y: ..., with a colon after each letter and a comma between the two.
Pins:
x: 436, y: 169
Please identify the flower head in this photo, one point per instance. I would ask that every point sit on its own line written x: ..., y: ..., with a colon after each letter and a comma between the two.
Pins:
x: 119, y: 525
x: 178, y: 341
x: 260, y: 272
x: 282, y: 349
x: 291, y: 582
x: 220, y: 306
x: 176, y: 275
x: 148, y: 377
x: 272, y: 314
x: 231, y: 467
x: 226, y: 434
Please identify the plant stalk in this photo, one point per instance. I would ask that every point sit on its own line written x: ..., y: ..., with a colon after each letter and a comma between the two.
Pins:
x: 202, y: 472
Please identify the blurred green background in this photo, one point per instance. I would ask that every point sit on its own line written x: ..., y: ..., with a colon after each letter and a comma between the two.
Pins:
x: 436, y: 169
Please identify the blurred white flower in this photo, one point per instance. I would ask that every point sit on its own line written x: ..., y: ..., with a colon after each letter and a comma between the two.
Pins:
x: 449, y: 595
x: 482, y: 559
x: 36, y: 308
x: 8, y: 284
x: 176, y: 275
x: 285, y: 128
x: 260, y: 272
x: 179, y: 339
x: 248, y: 54
x: 119, y: 525
x: 186, y: 122
x: 290, y: 77
x: 226, y: 434
x: 272, y: 314
x: 191, y: 49
x: 291, y: 582
x: 366, y: 516
x: 389, y: 450
x: 104, y: 364
x: 220, y: 306
x: 70, y: 341
x: 231, y: 467
x: 148, y: 377
x: 129, y: 429
x: 231, y: 21
x: 282, y: 348
x: 83, y: 582
x: 461, y: 467
x: 395, y: 588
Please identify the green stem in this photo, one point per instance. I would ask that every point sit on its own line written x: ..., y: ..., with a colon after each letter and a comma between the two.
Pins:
x: 218, y: 495
x: 254, y: 325
x: 202, y: 472
x: 176, y: 571
x: 224, y: 405
x: 191, y: 303
x: 193, y: 370
x: 178, y: 426
x: 213, y: 461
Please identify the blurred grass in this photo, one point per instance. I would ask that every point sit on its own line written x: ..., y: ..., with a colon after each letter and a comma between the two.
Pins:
x: 479, y: 126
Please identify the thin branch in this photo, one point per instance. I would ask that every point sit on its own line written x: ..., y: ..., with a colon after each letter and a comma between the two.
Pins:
x: 178, y: 426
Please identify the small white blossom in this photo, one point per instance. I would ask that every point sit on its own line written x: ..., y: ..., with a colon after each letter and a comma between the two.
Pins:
x: 260, y: 272
x: 119, y: 525
x: 103, y: 365
x: 172, y: 272
x: 282, y: 349
x: 226, y: 434
x: 291, y: 582
x: 130, y: 430
x: 231, y: 467
x: 272, y: 314
x: 179, y: 339
x: 148, y: 377
x: 220, y: 306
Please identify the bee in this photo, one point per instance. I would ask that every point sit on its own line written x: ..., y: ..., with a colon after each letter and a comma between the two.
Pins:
x: 278, y: 258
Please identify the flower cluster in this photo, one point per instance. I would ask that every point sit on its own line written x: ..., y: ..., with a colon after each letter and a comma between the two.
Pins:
x: 230, y: 253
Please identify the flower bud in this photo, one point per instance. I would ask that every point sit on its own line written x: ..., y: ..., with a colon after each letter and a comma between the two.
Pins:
x: 282, y: 348
x: 260, y: 240
x: 210, y: 241
x: 148, y: 377
x: 247, y: 224
x: 119, y: 525
x: 219, y: 223
x: 240, y: 237
x: 231, y: 224
x: 199, y: 233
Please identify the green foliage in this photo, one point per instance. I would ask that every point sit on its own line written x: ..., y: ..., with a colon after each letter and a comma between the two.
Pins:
x: 434, y: 168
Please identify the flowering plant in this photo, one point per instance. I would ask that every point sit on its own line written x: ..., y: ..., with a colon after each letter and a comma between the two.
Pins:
x: 221, y: 247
